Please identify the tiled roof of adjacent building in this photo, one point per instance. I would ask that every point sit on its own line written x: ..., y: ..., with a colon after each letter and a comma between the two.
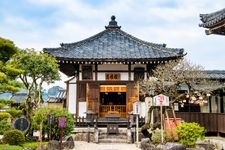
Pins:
x: 113, y: 44
x: 216, y: 74
x: 215, y: 22
x: 19, y: 97
x: 211, y: 19
x: 61, y: 96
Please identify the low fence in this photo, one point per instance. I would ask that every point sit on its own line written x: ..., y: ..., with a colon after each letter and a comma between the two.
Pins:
x: 82, y: 121
x: 213, y: 122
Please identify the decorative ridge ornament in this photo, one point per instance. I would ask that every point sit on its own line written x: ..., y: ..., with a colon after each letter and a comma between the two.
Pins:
x: 113, y: 24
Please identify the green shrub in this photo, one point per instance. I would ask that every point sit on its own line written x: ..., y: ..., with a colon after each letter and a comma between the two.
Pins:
x: 156, y: 137
x: 13, y: 137
x: 14, y: 112
x: 4, y: 115
x: 4, y: 125
x: 55, y: 130
x: 189, y: 133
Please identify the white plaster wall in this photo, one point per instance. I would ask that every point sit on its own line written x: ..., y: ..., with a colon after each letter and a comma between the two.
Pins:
x: 72, y: 98
x: 132, y: 76
x: 101, y: 76
x: 82, y: 109
x: 118, y: 67
x: 124, y: 76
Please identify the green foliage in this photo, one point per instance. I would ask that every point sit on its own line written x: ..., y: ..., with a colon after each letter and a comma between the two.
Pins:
x: 4, y: 125
x: 70, y: 123
x: 14, y: 112
x: 13, y: 137
x: 188, y: 133
x: 42, y: 115
x: 26, y: 145
x: 4, y: 122
x: 10, y: 147
x: 4, y: 102
x: 38, y: 119
x: 4, y: 115
x: 8, y: 73
x: 37, y: 68
x: 156, y: 137
x: 7, y: 49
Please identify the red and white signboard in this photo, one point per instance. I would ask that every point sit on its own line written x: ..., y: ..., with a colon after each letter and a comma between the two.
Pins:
x: 160, y: 100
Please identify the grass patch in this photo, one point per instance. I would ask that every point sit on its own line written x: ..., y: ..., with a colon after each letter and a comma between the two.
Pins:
x: 32, y: 145
x: 10, y: 147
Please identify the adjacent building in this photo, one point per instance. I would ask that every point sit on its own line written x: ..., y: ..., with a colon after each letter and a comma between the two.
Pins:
x: 214, y: 22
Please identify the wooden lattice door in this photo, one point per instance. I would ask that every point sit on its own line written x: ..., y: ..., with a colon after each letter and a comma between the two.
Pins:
x: 93, y: 97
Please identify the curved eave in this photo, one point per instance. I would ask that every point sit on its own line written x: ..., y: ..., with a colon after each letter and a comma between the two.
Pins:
x: 124, y: 61
x: 212, y: 19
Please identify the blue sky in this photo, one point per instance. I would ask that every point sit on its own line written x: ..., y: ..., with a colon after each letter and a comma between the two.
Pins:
x: 47, y: 23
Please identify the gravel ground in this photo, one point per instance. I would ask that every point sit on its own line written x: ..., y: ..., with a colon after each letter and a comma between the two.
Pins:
x: 81, y: 145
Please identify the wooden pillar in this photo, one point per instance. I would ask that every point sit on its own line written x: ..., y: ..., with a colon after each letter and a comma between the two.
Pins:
x: 129, y: 71
x: 96, y: 72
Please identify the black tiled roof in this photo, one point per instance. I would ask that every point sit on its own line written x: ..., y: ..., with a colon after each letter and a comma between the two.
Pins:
x: 61, y: 96
x: 216, y: 74
x: 211, y: 19
x: 19, y: 97
x: 113, y: 44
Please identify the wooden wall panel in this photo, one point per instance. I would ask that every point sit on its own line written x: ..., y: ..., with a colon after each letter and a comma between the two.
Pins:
x: 213, y: 122
x: 93, y: 97
x: 81, y: 91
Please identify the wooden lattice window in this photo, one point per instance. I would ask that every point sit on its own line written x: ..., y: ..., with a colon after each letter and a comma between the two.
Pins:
x: 87, y: 73
x: 139, y: 74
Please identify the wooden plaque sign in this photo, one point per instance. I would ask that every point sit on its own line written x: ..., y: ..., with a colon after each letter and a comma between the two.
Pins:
x: 62, y: 122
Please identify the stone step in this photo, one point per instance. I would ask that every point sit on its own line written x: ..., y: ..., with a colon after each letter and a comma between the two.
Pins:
x: 112, y: 140
x: 121, y: 131
x: 112, y: 136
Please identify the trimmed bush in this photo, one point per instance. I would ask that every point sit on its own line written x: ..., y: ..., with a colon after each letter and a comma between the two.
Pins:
x: 13, y: 137
x: 55, y: 130
x: 4, y: 125
x: 189, y: 133
x: 5, y: 122
x: 4, y: 115
x: 156, y: 136
x: 14, y: 112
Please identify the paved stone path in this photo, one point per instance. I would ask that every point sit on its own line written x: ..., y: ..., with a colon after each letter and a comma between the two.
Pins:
x: 81, y: 145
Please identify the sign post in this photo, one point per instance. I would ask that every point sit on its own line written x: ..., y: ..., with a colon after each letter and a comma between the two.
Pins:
x: 136, y: 111
x: 62, y: 122
x: 161, y: 100
x: 50, y: 122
